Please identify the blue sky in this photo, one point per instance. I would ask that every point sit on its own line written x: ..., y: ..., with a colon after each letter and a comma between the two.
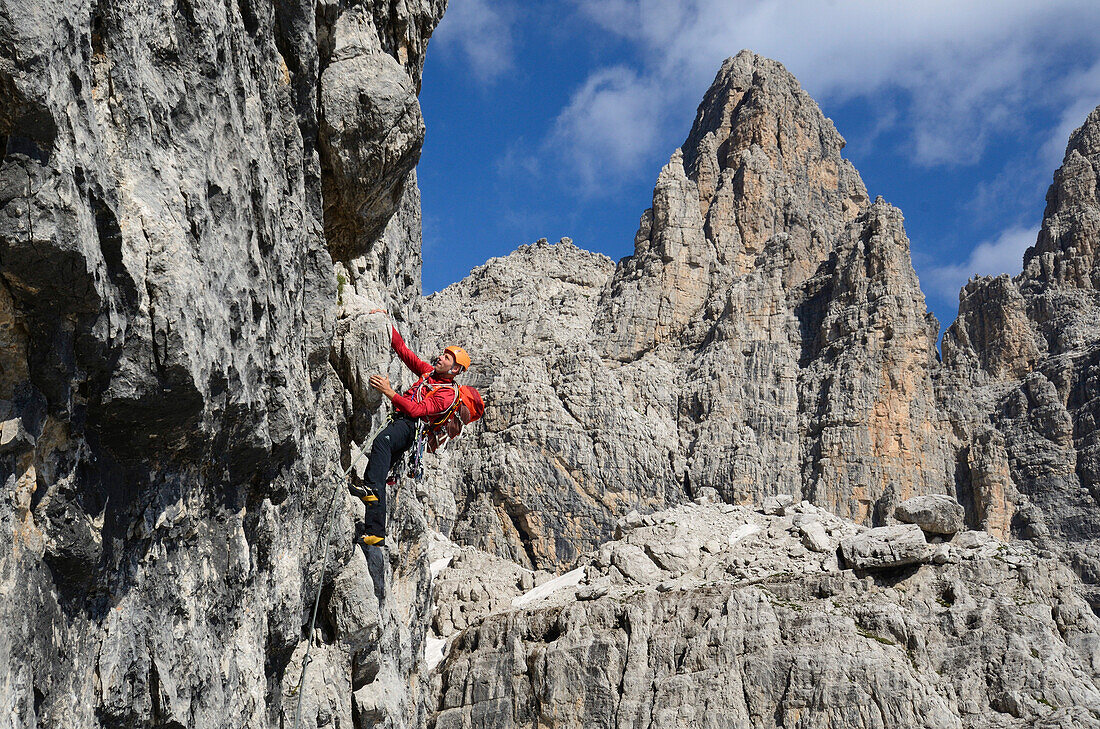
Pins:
x: 553, y: 119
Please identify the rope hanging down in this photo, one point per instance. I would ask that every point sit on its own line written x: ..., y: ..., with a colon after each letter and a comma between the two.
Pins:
x: 330, y: 524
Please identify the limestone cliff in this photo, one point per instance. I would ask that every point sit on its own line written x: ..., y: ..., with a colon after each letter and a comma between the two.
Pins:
x: 1025, y: 350
x: 767, y: 336
x: 566, y: 442
x: 200, y: 205
x: 176, y: 181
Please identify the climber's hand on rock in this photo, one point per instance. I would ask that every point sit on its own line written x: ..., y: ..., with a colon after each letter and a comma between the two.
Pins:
x: 378, y: 311
x: 382, y: 384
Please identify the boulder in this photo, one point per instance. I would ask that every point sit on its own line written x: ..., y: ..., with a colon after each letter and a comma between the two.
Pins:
x: 634, y: 564
x: 776, y: 504
x: 934, y: 513
x: 814, y: 537
x: 883, y: 547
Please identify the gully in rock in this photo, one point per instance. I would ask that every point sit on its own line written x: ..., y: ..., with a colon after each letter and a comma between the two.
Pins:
x: 430, y: 413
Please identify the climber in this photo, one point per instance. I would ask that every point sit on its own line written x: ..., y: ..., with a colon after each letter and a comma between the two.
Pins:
x: 432, y: 395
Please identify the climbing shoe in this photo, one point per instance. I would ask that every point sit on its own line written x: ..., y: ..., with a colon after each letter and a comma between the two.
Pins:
x: 365, y: 494
x: 370, y: 540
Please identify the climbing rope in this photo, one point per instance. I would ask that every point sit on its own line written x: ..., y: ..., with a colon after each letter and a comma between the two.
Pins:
x: 330, y: 524
x: 416, y: 471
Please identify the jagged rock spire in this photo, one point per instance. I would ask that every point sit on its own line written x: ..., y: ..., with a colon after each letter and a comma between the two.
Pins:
x: 759, y: 181
x: 1021, y: 363
x: 1065, y: 254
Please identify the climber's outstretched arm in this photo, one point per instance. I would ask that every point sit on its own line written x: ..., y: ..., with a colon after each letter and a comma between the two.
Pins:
x: 414, y: 363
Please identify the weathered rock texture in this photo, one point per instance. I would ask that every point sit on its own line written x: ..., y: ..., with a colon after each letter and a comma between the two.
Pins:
x: 724, y: 618
x: 767, y: 336
x: 1025, y: 352
x: 936, y: 514
x: 175, y: 182
x: 566, y: 443
x: 200, y: 206
x: 768, y: 342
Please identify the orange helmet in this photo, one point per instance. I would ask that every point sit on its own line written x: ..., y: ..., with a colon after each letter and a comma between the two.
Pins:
x: 460, y: 356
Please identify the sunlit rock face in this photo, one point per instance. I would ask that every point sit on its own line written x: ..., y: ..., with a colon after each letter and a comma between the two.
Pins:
x: 768, y: 335
x: 566, y: 442
x: 769, y: 344
x: 202, y: 204
x: 713, y: 614
x: 175, y: 183
x: 1022, y: 361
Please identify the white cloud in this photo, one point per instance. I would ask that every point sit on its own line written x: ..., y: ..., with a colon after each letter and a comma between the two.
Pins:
x: 966, y: 70
x: 609, y: 121
x: 519, y: 159
x: 1084, y: 88
x: 481, y: 32
x: 1004, y: 254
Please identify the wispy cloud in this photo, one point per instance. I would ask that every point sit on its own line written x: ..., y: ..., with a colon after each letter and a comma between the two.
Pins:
x: 519, y: 159
x: 967, y: 71
x: 608, y: 122
x: 1004, y: 254
x: 1084, y: 88
x: 481, y: 32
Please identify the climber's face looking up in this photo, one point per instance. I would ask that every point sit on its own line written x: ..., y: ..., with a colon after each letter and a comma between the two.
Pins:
x: 445, y: 365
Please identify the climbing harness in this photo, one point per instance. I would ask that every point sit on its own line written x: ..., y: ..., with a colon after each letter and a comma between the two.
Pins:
x: 466, y: 407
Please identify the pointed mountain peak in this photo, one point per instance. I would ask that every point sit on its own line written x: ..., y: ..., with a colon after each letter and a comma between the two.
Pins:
x: 755, y: 102
x: 1066, y: 255
x: 760, y: 181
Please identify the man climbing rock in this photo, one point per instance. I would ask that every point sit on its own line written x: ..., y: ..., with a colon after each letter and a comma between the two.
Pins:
x: 432, y: 396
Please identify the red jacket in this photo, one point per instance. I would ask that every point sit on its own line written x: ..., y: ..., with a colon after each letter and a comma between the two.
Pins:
x: 436, y: 402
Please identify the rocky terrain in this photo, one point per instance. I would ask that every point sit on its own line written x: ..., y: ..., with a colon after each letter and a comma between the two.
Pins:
x: 725, y: 481
x: 1026, y: 349
x: 767, y: 336
x: 712, y: 614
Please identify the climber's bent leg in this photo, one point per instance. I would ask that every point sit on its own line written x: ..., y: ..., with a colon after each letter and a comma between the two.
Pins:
x: 388, y: 447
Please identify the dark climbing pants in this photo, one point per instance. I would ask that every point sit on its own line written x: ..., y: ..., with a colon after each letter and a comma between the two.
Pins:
x: 388, y: 447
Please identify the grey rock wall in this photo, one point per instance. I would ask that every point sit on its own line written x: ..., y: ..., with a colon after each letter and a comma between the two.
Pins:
x: 565, y: 442
x: 1025, y: 351
x: 200, y: 205
x: 176, y: 181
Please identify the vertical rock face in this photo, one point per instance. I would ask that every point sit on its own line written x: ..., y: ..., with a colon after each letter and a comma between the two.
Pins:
x: 1022, y: 360
x: 873, y: 433
x: 767, y: 336
x: 174, y: 185
x: 200, y: 206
